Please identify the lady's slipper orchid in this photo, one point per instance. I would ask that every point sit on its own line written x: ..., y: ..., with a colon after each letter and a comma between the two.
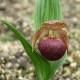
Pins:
x: 54, y: 42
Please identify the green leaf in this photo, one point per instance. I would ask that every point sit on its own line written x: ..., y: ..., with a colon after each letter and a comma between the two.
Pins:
x: 42, y: 66
x: 47, y: 10
x: 55, y: 65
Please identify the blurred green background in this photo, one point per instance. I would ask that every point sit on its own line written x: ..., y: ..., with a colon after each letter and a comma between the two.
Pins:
x: 14, y: 63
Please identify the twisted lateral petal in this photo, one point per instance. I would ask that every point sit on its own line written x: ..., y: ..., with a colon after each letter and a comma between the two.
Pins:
x: 55, y: 24
x: 37, y: 35
x: 63, y: 36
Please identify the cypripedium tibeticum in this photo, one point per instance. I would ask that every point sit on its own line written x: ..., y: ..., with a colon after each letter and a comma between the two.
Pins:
x: 53, y: 41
